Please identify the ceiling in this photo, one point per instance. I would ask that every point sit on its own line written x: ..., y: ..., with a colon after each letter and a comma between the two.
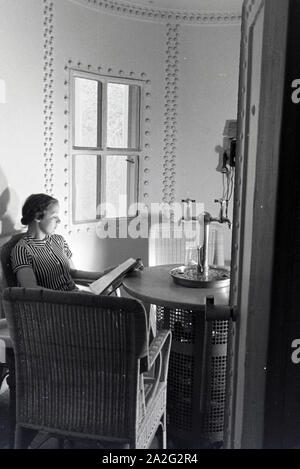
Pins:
x: 192, y: 5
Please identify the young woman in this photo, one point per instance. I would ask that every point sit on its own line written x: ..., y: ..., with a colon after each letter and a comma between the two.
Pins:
x: 42, y: 258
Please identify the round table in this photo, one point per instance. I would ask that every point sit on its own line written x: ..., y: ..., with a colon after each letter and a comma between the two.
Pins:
x: 155, y: 285
x: 197, y: 367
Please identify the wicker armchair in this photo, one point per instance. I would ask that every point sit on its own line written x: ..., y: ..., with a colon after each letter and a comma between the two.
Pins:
x: 7, y: 362
x: 84, y: 368
x: 8, y: 279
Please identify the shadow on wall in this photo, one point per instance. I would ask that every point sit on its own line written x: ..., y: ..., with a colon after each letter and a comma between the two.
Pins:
x: 8, y: 209
x: 8, y: 214
x: 6, y: 222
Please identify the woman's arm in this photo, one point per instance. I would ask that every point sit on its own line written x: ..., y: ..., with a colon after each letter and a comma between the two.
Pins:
x: 26, y: 278
x: 86, y: 275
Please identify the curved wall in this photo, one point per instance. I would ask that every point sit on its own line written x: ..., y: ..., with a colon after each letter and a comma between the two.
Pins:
x: 190, y: 70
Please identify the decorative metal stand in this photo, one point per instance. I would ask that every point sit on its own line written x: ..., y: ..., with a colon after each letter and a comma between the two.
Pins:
x: 189, y: 276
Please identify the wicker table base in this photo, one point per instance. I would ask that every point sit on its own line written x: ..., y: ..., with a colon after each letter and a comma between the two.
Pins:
x: 197, y: 367
x: 197, y: 374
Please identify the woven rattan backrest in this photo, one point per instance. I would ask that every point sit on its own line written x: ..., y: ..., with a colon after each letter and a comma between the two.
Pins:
x: 9, y: 279
x: 76, y: 360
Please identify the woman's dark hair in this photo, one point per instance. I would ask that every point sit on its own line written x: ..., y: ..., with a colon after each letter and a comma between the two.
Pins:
x: 35, y: 206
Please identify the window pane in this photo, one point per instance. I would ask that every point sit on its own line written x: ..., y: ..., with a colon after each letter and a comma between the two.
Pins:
x: 122, y: 115
x: 86, y: 113
x: 85, y: 187
x: 116, y: 186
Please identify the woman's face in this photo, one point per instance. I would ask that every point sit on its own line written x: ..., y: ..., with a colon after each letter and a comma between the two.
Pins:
x: 50, y: 219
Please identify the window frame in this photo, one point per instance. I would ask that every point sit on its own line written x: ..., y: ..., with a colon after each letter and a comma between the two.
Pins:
x: 102, y: 151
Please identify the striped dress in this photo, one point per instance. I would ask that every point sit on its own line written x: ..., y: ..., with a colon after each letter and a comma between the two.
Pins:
x: 48, y: 258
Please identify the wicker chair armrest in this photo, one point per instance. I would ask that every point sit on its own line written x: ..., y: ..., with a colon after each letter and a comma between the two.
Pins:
x: 161, y: 341
x: 155, y: 372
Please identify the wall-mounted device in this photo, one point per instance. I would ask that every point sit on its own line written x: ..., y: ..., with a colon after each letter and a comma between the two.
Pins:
x: 229, y: 145
x: 227, y: 169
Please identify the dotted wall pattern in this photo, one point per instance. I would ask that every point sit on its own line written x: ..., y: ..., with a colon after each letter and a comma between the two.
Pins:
x: 48, y: 69
x: 145, y: 173
x: 159, y: 15
x: 67, y: 200
x: 144, y: 154
x: 170, y: 114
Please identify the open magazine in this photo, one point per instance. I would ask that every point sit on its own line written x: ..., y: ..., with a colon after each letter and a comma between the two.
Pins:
x: 113, y: 279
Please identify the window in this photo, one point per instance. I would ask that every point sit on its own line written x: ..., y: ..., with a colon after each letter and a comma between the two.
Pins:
x: 106, y: 144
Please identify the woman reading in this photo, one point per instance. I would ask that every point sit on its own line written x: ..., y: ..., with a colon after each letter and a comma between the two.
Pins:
x: 42, y: 258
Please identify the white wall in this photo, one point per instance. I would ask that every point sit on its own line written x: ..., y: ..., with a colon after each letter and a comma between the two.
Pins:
x: 115, y: 44
x: 209, y: 58
x: 207, y: 91
x: 21, y: 117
